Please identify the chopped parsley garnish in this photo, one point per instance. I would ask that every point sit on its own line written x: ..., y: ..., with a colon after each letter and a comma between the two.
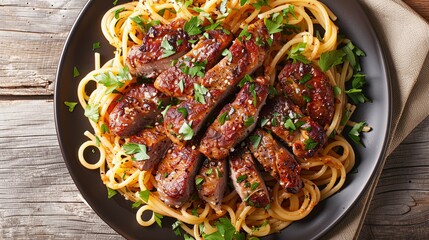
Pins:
x: 104, y: 128
x: 254, y: 186
x: 355, y: 93
x: 176, y: 227
x: 255, y: 140
x: 115, y: 2
x: 225, y: 231
x: 193, y: 26
x: 243, y: 2
x: 139, y: 151
x: 306, y: 98
x: 354, y: 133
x: 244, y: 34
x: 187, y: 237
x: 144, y: 195
x: 167, y: 48
x: 227, y: 53
x: 183, y: 111
x: 264, y: 121
x: 337, y: 90
x: 136, y: 204
x: 246, y: 78
x: 223, y: 118
x: 164, y: 112
x: 253, y: 92
x: 310, y: 144
x: 241, y: 178
x: 307, y: 77
x: 158, y: 219
x: 118, y: 11
x: 330, y: 59
x: 274, y: 25
x: 296, y: 53
x: 209, y: 171
x: 71, y: 105
x: 186, y: 131
x: 289, y: 125
x: 75, y: 72
x: 352, y: 54
x: 181, y: 85
x: 199, y: 181
x: 112, y: 82
x: 260, y: 3
x: 200, y: 92
x: 111, y: 193
x: 91, y: 112
x: 249, y: 121
x: 96, y: 45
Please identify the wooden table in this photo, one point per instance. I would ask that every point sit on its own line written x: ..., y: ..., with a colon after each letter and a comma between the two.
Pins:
x: 38, y: 198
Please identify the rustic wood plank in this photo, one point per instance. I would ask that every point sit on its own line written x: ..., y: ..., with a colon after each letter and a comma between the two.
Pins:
x: 32, y: 35
x: 38, y: 198
x: 400, y: 205
x: 420, y: 6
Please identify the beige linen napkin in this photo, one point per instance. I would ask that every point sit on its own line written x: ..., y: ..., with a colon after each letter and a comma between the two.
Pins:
x: 405, y: 36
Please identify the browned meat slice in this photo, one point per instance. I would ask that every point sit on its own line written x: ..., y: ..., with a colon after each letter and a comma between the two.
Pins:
x: 178, y: 81
x: 247, y: 54
x: 309, y: 88
x: 276, y: 160
x: 285, y: 120
x: 247, y: 180
x: 136, y: 109
x: 161, y: 45
x: 176, y: 174
x: 235, y: 121
x: 213, y: 184
x: 156, y: 142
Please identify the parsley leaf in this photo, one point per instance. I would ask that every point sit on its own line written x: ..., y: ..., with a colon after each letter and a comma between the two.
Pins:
x: 112, y: 82
x: 176, y: 227
x: 104, y: 128
x: 249, y: 121
x: 91, y: 112
x: 96, y: 45
x: 181, y: 85
x: 186, y: 131
x: 227, y: 53
x: 111, y: 193
x: 260, y: 3
x: 310, y: 144
x: 330, y: 59
x: 139, y: 151
x: 226, y: 231
x: 144, y: 195
x: 255, y: 140
x: 200, y: 92
x: 354, y: 133
x: 199, y: 180
x: 289, y: 125
x: 355, y: 93
x: 296, y: 53
x: 241, y: 178
x: 254, y: 186
x: 244, y: 34
x: 243, y: 2
x: 223, y: 118
x: 118, y: 11
x: 75, y: 72
x: 167, y: 48
x: 136, y: 204
x: 193, y: 26
x: 183, y: 111
x: 71, y: 105
x: 158, y: 217
x: 246, y: 78
x: 274, y: 25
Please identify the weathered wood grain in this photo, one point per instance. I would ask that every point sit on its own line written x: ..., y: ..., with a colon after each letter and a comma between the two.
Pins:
x: 400, y: 205
x: 38, y: 199
x: 32, y: 34
x: 420, y: 6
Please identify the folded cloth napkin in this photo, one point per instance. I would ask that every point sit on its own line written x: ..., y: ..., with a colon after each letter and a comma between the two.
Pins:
x: 405, y: 35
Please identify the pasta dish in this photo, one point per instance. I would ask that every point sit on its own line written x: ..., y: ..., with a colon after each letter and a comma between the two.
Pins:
x: 229, y: 116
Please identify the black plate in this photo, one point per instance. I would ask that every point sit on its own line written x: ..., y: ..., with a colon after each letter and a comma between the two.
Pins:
x: 118, y: 213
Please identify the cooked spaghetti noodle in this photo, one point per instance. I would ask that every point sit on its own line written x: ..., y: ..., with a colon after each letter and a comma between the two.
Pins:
x: 323, y: 175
